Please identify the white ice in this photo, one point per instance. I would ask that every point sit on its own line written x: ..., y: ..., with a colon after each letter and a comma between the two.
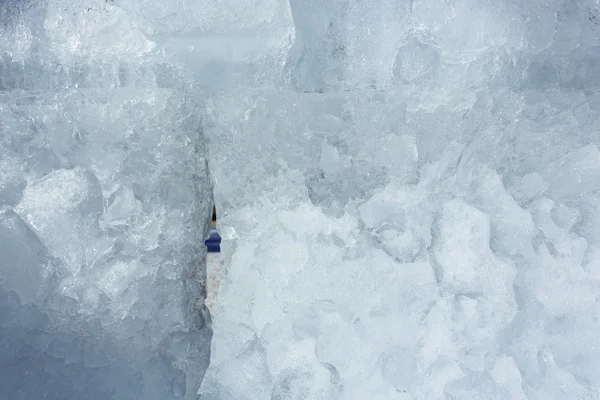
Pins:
x: 410, y: 212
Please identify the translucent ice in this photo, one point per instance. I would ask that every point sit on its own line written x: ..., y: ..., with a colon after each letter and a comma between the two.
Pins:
x: 104, y: 205
x: 408, y: 195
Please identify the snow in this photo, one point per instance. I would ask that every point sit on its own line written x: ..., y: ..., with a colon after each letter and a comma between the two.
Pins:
x: 407, y: 196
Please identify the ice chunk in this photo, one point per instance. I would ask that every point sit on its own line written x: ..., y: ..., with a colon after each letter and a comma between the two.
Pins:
x: 511, y: 227
x: 506, y: 375
x: 94, y: 31
x: 462, y: 250
x: 64, y: 208
x: 26, y: 264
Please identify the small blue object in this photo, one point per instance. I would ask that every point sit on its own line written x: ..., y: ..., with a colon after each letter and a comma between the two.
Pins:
x: 213, y: 243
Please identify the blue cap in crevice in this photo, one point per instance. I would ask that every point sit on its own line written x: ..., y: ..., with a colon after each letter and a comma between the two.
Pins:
x: 213, y: 243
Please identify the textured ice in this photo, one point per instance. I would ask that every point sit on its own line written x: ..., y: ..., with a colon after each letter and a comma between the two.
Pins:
x: 410, y: 206
x: 408, y: 193
x: 104, y: 205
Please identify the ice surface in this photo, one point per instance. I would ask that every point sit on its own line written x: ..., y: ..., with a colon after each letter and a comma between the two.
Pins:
x: 411, y: 212
x: 408, y: 194
x: 104, y: 204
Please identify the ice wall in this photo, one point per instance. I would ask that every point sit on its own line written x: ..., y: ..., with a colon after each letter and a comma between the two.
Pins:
x: 409, y: 193
x: 409, y: 206
x: 104, y: 205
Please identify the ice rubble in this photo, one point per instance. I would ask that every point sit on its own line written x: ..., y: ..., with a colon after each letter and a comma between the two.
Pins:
x: 409, y: 193
x: 410, y: 207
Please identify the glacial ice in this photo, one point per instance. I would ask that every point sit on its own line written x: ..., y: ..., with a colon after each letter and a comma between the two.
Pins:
x: 408, y: 195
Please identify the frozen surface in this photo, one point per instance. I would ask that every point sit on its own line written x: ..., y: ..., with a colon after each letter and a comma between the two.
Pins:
x: 104, y: 205
x: 408, y: 193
